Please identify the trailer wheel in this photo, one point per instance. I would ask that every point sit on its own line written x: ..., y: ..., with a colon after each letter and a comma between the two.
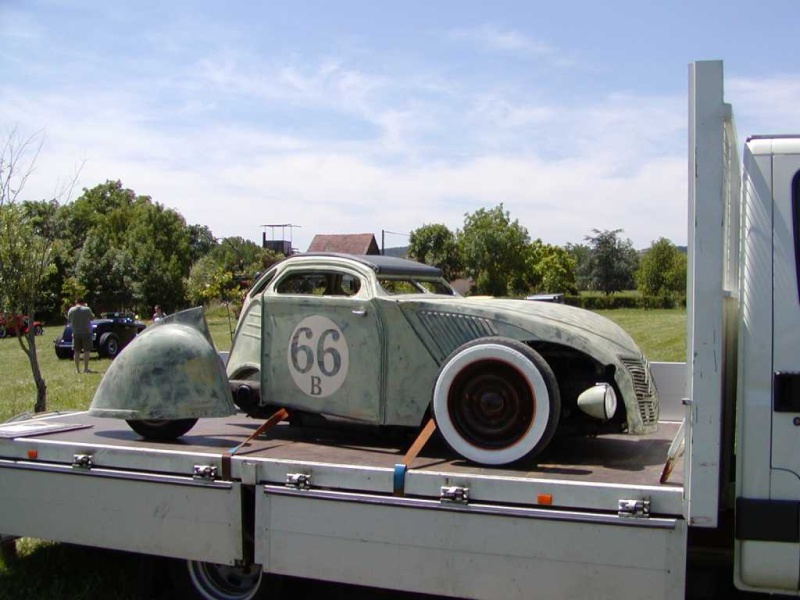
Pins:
x: 209, y: 581
x: 162, y: 430
x: 496, y: 401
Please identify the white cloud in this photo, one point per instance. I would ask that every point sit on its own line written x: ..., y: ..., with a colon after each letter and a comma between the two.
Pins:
x: 427, y: 148
x: 764, y: 105
x: 495, y: 39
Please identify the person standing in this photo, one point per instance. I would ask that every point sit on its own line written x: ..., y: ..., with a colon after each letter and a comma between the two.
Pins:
x: 158, y: 314
x: 80, y: 319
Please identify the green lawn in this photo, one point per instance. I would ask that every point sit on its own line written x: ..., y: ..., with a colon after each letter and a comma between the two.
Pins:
x: 67, y: 390
x: 660, y: 333
x: 50, y: 570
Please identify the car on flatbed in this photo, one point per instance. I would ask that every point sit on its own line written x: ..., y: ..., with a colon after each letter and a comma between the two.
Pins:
x: 386, y: 340
x: 110, y: 334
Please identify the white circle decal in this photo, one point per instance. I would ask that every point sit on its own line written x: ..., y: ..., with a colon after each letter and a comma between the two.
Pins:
x: 318, y: 357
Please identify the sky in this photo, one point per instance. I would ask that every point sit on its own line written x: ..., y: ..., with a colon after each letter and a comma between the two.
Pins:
x: 356, y: 116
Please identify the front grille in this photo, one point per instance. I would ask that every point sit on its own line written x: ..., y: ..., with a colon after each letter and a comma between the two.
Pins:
x: 449, y: 330
x: 645, y: 390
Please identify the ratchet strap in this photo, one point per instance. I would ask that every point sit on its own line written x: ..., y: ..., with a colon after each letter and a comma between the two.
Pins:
x: 401, y: 468
x: 280, y: 415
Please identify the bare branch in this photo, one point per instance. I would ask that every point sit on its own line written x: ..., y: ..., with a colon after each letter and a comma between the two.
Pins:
x: 17, y: 164
x: 64, y: 189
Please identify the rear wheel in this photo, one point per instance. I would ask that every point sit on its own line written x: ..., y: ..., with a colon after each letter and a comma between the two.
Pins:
x: 38, y: 330
x: 161, y: 429
x: 496, y: 401
x: 3, y: 332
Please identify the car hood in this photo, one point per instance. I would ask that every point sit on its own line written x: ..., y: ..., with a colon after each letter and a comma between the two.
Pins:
x: 531, y: 320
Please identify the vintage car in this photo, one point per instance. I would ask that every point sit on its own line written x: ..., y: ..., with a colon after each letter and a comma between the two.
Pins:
x: 10, y: 325
x: 110, y: 334
x: 387, y: 341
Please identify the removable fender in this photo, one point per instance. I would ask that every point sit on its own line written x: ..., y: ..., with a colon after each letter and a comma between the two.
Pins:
x: 169, y: 371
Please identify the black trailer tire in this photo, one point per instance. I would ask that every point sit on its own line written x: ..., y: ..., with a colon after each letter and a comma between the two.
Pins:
x: 3, y: 332
x: 496, y: 401
x: 198, y: 580
x: 162, y: 430
x: 109, y: 346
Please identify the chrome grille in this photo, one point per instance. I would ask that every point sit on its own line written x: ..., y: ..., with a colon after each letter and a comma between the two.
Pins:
x: 643, y: 386
x: 449, y: 330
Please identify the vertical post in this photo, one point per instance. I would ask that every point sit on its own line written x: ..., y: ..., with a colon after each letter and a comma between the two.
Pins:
x: 704, y: 314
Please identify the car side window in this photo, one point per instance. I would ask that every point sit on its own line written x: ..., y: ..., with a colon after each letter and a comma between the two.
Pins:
x: 261, y: 283
x: 319, y: 283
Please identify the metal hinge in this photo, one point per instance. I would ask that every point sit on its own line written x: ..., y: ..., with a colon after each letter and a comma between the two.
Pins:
x: 82, y: 461
x: 634, y: 509
x: 454, y: 494
x: 299, y: 481
x: 204, y: 472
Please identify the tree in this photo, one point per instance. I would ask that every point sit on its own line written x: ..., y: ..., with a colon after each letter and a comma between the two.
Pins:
x: 157, y: 248
x: 227, y: 270
x: 436, y: 245
x: 25, y: 248
x: 662, y: 270
x: 582, y: 256
x: 493, y: 250
x: 135, y: 252
x: 613, y: 261
x: 553, y: 269
x: 201, y: 241
x: 45, y: 218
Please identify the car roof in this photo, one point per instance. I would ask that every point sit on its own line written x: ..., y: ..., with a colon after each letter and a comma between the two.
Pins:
x: 385, y: 265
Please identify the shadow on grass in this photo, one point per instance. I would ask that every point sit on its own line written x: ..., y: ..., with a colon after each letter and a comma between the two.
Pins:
x: 52, y: 570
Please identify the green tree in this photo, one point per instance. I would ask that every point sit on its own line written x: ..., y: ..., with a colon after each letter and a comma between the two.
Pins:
x: 662, y: 270
x: 135, y: 252
x: 227, y: 270
x: 158, y: 252
x: 613, y: 261
x: 553, y: 269
x: 25, y: 247
x: 434, y: 244
x: 201, y: 241
x: 582, y: 256
x: 44, y: 217
x: 493, y: 250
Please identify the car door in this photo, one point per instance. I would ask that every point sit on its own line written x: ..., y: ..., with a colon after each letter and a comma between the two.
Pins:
x: 323, y: 344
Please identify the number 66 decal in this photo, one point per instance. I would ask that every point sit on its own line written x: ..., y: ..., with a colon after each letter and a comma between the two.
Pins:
x: 318, y: 357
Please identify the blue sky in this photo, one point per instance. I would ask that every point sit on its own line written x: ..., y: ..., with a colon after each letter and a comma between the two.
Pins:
x: 363, y: 116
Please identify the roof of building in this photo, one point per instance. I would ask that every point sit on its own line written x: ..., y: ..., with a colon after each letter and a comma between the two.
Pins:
x: 350, y: 243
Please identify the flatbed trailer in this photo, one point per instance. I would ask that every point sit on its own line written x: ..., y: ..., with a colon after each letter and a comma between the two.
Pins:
x: 327, y: 502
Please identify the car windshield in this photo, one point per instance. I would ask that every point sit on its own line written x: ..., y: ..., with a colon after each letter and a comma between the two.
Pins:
x: 413, y: 285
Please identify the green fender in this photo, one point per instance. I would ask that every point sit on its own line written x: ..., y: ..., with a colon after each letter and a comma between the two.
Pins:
x: 169, y: 371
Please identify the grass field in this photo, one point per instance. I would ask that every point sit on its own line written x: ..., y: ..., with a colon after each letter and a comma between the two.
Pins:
x: 51, y: 570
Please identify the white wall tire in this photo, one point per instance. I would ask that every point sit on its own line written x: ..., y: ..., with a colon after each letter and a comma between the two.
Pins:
x: 496, y: 401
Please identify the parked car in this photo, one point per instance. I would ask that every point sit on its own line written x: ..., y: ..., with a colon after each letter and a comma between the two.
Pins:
x: 110, y: 334
x: 387, y: 341
x: 10, y: 325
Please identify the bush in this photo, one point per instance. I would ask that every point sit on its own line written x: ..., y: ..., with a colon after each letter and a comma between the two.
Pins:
x: 594, y: 302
